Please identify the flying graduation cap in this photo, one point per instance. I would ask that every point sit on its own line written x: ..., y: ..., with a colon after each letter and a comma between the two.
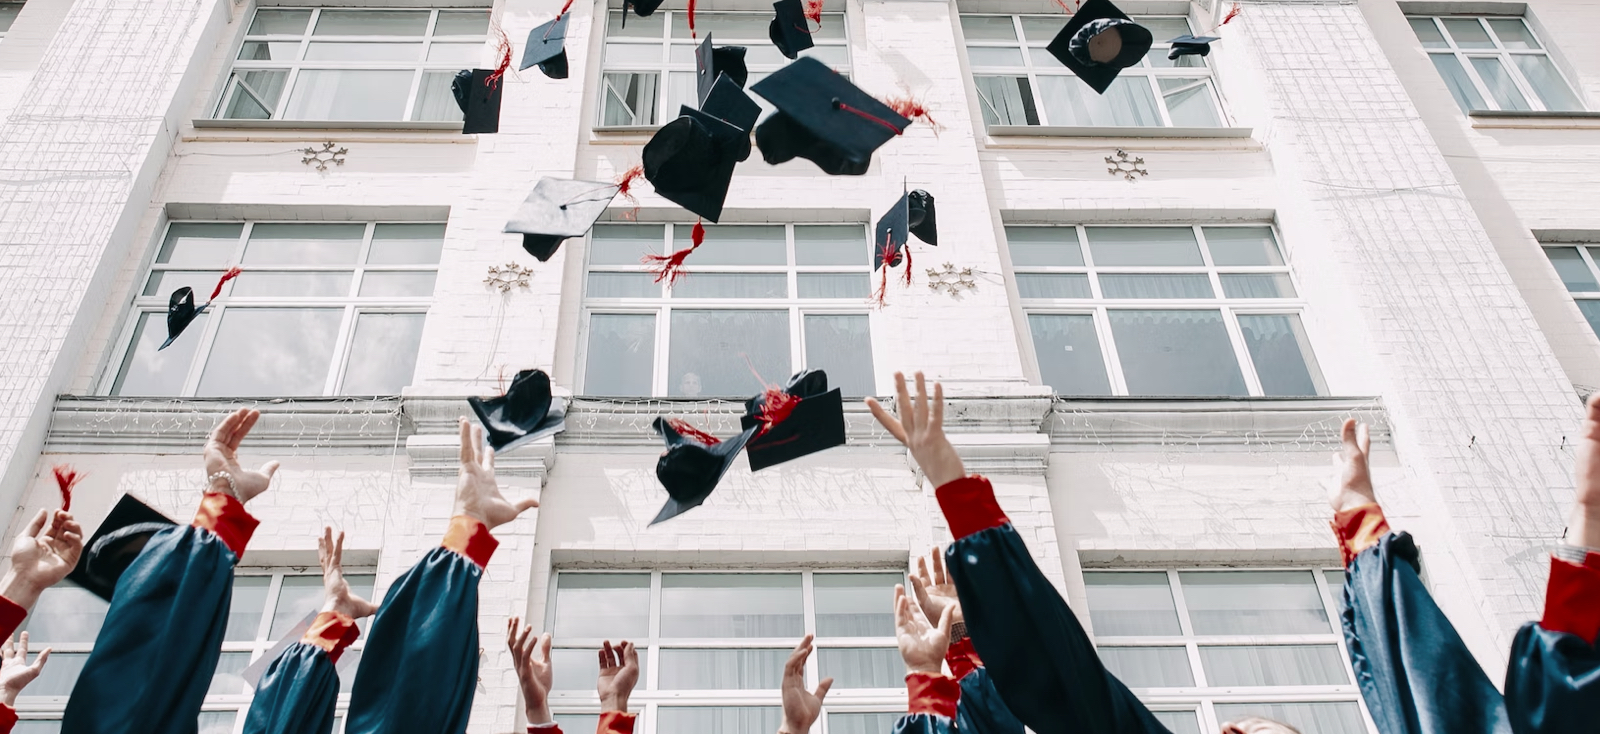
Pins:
x: 823, y: 118
x: 800, y: 419
x: 1187, y: 45
x: 115, y: 545
x: 525, y: 413
x: 693, y: 464
x: 547, y: 48
x: 912, y: 214
x: 1098, y: 42
x: 181, y: 311
x: 559, y: 208
x: 711, y: 62
x: 477, y: 93
x: 788, y: 30
x: 642, y: 8
x: 690, y: 160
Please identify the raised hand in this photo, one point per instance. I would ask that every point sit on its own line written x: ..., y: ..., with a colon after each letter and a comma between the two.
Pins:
x: 44, y: 553
x: 800, y: 706
x: 477, y: 493
x: 222, y: 458
x: 15, y: 671
x: 530, y: 654
x: 330, y: 552
x: 1583, y: 525
x: 935, y: 590
x: 1355, y: 477
x: 922, y: 645
x: 619, y: 673
x: 921, y: 428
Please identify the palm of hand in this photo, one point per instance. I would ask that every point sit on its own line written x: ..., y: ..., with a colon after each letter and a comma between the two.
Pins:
x: 537, y: 678
x: 248, y: 482
x: 481, y: 498
x: 15, y: 674
x: 345, y: 601
x: 43, y: 557
x: 617, y: 680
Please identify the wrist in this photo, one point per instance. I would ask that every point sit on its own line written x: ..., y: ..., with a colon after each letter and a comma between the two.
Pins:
x: 21, y: 591
x: 538, y: 714
x: 9, y: 696
x: 614, y: 703
x: 931, y: 668
x: 1583, y: 527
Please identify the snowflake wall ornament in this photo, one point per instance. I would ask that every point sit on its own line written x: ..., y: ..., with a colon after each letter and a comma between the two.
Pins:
x: 505, y: 277
x: 951, y: 280
x: 323, y: 156
x: 1125, y: 166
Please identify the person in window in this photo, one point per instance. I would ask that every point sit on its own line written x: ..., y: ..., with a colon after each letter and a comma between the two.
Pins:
x: 1038, y: 655
x: 800, y: 706
x: 298, y: 692
x: 619, y: 672
x: 155, y: 655
x: 979, y: 710
x: 419, y: 670
x: 689, y: 385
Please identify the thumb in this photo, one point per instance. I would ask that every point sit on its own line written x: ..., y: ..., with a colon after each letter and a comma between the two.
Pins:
x: 38, y: 662
x: 270, y: 468
x: 946, y: 619
x: 526, y: 505
x: 822, y: 689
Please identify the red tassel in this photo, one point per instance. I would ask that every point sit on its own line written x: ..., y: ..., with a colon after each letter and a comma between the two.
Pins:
x: 66, y: 477
x: 669, y: 267
x: 691, y: 19
x: 908, y: 264
x: 564, y: 9
x: 504, y: 50
x: 1232, y: 13
x: 625, y: 182
x: 911, y: 109
x: 776, y: 405
x: 814, y: 12
x: 883, y: 286
x: 232, y: 273
x: 863, y: 114
x: 692, y: 432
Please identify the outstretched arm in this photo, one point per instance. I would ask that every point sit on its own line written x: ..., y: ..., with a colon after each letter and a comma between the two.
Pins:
x: 530, y: 655
x: 619, y: 673
x: 979, y: 710
x: 800, y: 706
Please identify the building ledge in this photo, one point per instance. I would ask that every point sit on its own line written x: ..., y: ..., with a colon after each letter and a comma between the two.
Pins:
x: 325, y: 125
x: 1308, y: 424
x: 1046, y: 131
x: 113, y: 425
x: 1573, y: 120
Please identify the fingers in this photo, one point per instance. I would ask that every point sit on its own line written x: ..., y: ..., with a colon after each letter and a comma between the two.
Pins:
x: 9, y: 650
x: 270, y: 468
x: 525, y: 505
x: 511, y: 635
x: 608, y: 656
x: 545, y: 641
x: 916, y: 609
x: 822, y: 689
x: 22, y: 646
x: 36, y: 525
x: 1363, y: 439
x: 936, y: 422
x: 908, y: 417
x: 469, y: 450
x: 922, y: 401
x: 922, y: 571
x: 223, y: 433
x: 325, y: 547
x: 338, y: 550
x: 888, y: 422
x: 38, y: 662
x: 902, y: 611
x: 946, y: 619
x: 488, y: 456
x: 939, y: 575
x: 797, y: 659
x: 919, y: 586
x: 630, y: 654
x: 243, y: 429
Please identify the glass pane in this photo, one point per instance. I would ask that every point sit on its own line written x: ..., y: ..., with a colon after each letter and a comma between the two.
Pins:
x: 8, y: 15
x: 298, y: 598
x: 988, y: 28
x: 1467, y: 33
x: 1155, y: 285
x: 269, y: 51
x: 862, y: 723
x: 248, y: 603
x: 721, y: 669
x: 1180, y: 722
x: 1513, y: 33
x: 709, y: 350
x: 624, y: 244
x: 981, y: 56
x: 1006, y: 100
x: 841, y: 345
x: 855, y: 604
x: 731, y: 26
x: 37, y: 726
x: 1149, y: 667
x: 1336, y: 717
x: 1183, y: 353
x: 864, y: 667
x: 279, y: 22
x: 627, y: 54
x: 164, y: 282
x: 257, y: 283
x: 149, y: 373
x: 635, y: 27
x: 1189, y: 102
x: 349, y: 94
x: 834, y: 285
x: 1282, y: 355
x: 1053, y: 285
x: 1157, y: 57
x: 277, y: 352
x: 406, y: 244
x: 345, y: 51
x: 216, y: 722
x: 731, y: 285
x: 623, y: 285
x: 1164, y: 28
x: 1504, y: 91
x: 576, y: 670
x: 1122, y: 603
x: 1591, y: 313
x: 372, y: 23
x: 304, y: 244
x: 435, y: 101
x: 348, y: 663
x: 629, y: 99
x: 1547, y: 82
x: 1041, y: 28
x: 732, y: 605
x: 1254, y: 603
x: 832, y: 28
x: 255, y: 94
x: 727, y: 245
x: 1137, y: 246
x: 383, y: 353
x: 65, y: 613
x: 842, y: 244
x: 1044, y: 246
x: 397, y: 285
x: 227, y: 681
x: 1455, y: 77
x: 60, y: 673
x: 718, y: 719
x: 1069, y: 354
x: 621, y: 355
x: 1127, y: 102
x: 1242, y: 246
x: 604, y: 605
x: 193, y: 243
x: 1273, y: 665
x: 1428, y: 33
x: 461, y: 23
x: 1258, y: 285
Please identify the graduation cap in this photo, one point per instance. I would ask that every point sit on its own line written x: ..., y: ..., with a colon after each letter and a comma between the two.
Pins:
x: 478, y: 96
x: 789, y: 31
x: 547, y: 48
x: 115, y: 545
x: 525, y: 413
x: 692, y: 464
x: 1098, y: 42
x: 711, y: 62
x: 803, y: 418
x: 643, y: 8
x: 690, y: 160
x: 912, y: 214
x: 559, y: 208
x: 1187, y: 45
x: 823, y: 118
x: 181, y: 311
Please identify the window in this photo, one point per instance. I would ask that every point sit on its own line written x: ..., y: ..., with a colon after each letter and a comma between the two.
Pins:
x: 1180, y: 311
x: 352, y: 64
x: 8, y: 15
x: 1202, y: 648
x: 1576, y: 266
x: 712, y: 646
x: 767, y: 300
x: 648, y: 70
x: 1494, y: 63
x: 1020, y: 83
x: 330, y: 308
x: 266, y: 606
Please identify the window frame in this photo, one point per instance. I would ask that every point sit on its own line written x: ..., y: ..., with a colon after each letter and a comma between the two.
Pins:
x: 1589, y: 260
x: 1501, y: 52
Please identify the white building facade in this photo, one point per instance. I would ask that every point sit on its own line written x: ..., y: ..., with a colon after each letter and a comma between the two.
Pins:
x: 1150, y: 310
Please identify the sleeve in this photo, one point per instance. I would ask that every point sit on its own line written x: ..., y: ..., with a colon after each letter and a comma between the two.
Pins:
x: 420, y: 667
x: 8, y: 719
x: 1415, y: 673
x: 11, y: 616
x: 550, y: 728
x: 1037, y: 654
x: 300, y: 689
x: 168, y: 614
x: 931, y: 707
x: 979, y: 709
x: 1553, y: 681
x: 616, y: 722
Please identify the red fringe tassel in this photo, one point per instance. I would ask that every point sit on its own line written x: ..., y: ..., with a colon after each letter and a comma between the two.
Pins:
x: 66, y: 477
x: 1232, y: 13
x: 232, y: 273
x: 908, y: 263
x: 863, y: 114
x: 625, y: 182
x: 504, y: 50
x: 911, y: 109
x: 691, y: 19
x: 692, y: 432
x: 814, y: 12
x: 564, y: 9
x: 776, y: 406
x: 669, y: 267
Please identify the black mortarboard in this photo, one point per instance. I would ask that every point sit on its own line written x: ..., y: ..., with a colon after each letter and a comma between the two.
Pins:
x: 690, y: 160
x: 559, y: 208
x: 814, y: 424
x: 1117, y: 40
x: 789, y: 31
x: 180, y: 313
x: 919, y: 216
x: 690, y: 469
x: 643, y: 8
x: 710, y: 62
x: 823, y: 118
x: 115, y: 545
x: 547, y: 48
x: 912, y: 214
x: 1187, y: 45
x: 479, y: 99
x: 525, y: 413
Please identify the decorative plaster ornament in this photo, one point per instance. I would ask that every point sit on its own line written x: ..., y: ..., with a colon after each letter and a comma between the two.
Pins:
x: 951, y: 280
x: 1121, y: 164
x: 323, y: 156
x: 505, y: 277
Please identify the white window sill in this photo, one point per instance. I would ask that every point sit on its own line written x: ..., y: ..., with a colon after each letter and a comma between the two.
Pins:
x: 400, y: 125
x: 1046, y: 131
x: 1579, y: 120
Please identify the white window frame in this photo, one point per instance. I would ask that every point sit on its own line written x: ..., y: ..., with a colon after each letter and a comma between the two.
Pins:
x: 1464, y: 55
x: 5, y: 5
x: 648, y: 698
x: 1098, y: 306
x: 1589, y: 261
x: 661, y: 308
x: 352, y: 304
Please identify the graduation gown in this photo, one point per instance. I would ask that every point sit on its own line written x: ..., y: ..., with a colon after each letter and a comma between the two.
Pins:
x: 932, y: 703
x: 1037, y: 654
x: 299, y: 691
x: 158, y: 649
x: 11, y: 616
x: 1553, y: 680
x: 611, y: 722
x: 979, y: 710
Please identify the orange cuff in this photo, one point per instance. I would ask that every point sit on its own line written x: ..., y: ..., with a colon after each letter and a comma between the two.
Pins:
x: 616, y: 722
x: 932, y: 693
x: 1572, y: 600
x: 470, y: 537
x: 962, y: 658
x: 1358, y: 529
x: 8, y: 718
x: 969, y: 506
x: 333, y: 632
x: 11, y: 616
x: 226, y: 516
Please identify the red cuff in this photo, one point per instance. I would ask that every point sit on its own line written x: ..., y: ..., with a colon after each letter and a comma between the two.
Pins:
x: 1572, y: 600
x: 8, y: 718
x: 616, y: 722
x: 1358, y: 529
x: 11, y: 616
x: 226, y: 516
x: 932, y: 693
x: 470, y: 537
x: 552, y: 729
x: 333, y: 632
x: 962, y: 658
x: 969, y: 506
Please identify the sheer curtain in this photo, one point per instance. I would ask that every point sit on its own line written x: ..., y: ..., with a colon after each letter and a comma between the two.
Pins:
x: 712, y: 346
x: 1069, y: 354
x: 1273, y: 665
x: 1309, y: 718
x: 1149, y: 667
x: 1176, y: 353
x: 630, y: 98
x: 349, y: 94
x: 842, y: 346
x: 1006, y: 100
x: 723, y: 670
x: 862, y: 667
x: 435, y: 101
x: 862, y: 723
x: 1128, y: 102
x: 621, y: 358
x: 1156, y: 285
x: 1281, y: 353
x: 717, y: 719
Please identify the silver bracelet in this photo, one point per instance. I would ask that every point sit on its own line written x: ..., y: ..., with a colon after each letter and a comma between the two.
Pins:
x: 233, y: 488
x: 1574, y: 554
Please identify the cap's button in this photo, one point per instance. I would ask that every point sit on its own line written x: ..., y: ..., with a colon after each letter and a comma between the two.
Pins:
x: 837, y: 104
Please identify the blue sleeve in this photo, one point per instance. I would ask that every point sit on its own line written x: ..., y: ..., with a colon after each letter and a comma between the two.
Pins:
x: 1553, y: 683
x: 980, y: 710
x: 297, y: 694
x: 924, y: 724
